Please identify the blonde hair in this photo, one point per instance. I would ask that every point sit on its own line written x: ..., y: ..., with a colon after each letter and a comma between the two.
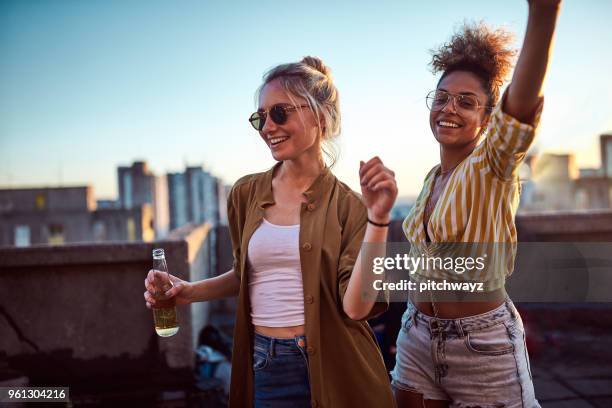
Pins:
x: 311, y: 79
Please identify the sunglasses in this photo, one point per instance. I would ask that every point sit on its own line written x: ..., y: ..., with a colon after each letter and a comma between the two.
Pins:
x: 437, y: 100
x: 278, y: 114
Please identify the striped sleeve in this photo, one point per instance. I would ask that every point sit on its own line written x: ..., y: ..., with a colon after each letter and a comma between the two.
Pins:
x: 508, y: 140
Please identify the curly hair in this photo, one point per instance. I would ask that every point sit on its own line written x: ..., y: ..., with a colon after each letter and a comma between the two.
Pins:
x: 479, y: 49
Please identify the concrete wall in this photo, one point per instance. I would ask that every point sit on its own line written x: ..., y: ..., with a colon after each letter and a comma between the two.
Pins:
x: 75, y: 314
x: 558, y: 226
x: 570, y: 226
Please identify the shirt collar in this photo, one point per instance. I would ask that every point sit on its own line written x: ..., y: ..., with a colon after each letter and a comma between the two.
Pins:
x: 265, y: 196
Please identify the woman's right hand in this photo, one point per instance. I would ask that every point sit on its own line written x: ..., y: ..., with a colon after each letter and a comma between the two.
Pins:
x: 156, y: 282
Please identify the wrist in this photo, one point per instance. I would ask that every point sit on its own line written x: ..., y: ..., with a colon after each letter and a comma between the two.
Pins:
x: 378, y: 218
x: 379, y: 225
x: 190, y: 290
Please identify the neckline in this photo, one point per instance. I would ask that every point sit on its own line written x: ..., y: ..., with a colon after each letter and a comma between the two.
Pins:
x: 281, y: 226
x: 430, y: 184
x: 317, y: 188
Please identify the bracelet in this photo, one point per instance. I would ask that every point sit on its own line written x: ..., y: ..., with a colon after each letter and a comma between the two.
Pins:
x: 378, y: 224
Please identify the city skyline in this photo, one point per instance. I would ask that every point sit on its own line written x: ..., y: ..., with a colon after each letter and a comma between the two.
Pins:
x: 87, y: 87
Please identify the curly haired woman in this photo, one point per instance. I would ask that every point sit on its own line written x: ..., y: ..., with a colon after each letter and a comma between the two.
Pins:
x: 471, y: 351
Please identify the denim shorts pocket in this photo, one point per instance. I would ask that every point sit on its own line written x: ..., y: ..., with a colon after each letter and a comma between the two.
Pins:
x: 492, y: 341
x: 260, y: 360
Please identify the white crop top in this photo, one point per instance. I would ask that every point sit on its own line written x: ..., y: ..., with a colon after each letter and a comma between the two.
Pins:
x: 275, y: 276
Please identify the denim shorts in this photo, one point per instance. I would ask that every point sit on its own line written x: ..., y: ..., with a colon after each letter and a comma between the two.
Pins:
x: 478, y: 360
x: 280, y: 367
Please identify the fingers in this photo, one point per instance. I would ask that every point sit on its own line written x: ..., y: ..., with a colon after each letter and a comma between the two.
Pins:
x: 386, y: 184
x: 374, y: 171
x: 378, y: 177
x: 162, y: 286
x: 149, y: 301
x: 155, y: 283
x: 149, y: 282
x: 366, y: 166
x: 175, y: 290
x: 158, y: 280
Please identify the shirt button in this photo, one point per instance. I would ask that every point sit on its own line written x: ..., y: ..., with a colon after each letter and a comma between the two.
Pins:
x: 311, y: 207
x: 307, y: 246
x: 310, y: 350
x: 309, y: 299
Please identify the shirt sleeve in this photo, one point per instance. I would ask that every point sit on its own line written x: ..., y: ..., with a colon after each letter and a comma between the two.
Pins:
x: 235, y: 220
x: 352, y: 240
x: 508, y: 140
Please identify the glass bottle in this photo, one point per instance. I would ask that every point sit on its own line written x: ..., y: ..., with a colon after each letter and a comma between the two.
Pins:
x: 164, y: 309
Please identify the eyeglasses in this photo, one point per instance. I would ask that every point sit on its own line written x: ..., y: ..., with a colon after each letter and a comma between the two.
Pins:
x: 278, y: 114
x: 437, y: 100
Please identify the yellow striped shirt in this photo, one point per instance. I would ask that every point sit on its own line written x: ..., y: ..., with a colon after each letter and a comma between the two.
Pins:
x: 477, y: 206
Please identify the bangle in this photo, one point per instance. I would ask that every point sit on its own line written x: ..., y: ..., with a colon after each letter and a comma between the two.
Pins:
x: 378, y: 224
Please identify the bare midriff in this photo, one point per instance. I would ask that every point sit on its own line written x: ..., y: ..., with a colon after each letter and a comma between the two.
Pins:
x: 468, y: 306
x: 281, y: 332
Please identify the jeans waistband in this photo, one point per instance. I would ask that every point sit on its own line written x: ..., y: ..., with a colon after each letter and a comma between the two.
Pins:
x: 464, y: 325
x: 277, y: 346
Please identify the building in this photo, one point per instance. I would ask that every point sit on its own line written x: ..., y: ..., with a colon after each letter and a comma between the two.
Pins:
x: 138, y: 186
x: 193, y: 197
x: 594, y: 186
x: 106, y: 204
x: 553, y: 183
x: 222, y: 192
x: 177, y: 197
x: 605, y: 146
x: 58, y: 215
x: 593, y: 191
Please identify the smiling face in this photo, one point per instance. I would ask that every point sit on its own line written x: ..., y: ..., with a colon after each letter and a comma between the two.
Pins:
x: 453, y: 127
x: 299, y: 135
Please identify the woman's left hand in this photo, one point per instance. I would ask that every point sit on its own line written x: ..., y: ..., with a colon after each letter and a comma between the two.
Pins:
x: 378, y: 188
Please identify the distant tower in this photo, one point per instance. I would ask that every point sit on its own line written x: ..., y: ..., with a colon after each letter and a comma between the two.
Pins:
x: 606, y: 154
x: 138, y: 186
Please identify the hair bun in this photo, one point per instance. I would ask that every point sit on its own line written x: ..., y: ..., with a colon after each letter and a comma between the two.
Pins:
x: 317, y: 63
x: 476, y: 45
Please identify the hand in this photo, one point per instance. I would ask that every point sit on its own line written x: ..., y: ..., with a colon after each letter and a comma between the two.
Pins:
x: 158, y: 287
x: 378, y: 188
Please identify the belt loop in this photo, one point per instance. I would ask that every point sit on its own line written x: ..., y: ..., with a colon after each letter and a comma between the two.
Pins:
x: 459, y: 327
x: 510, y: 308
x: 271, y: 348
x: 300, y: 342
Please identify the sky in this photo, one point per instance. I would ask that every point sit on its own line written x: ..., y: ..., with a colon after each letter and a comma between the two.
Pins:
x: 86, y: 86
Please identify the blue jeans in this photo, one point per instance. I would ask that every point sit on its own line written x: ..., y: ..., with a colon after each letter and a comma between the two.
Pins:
x: 280, y: 367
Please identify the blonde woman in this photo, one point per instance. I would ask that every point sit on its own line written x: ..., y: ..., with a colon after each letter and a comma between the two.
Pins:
x: 300, y: 337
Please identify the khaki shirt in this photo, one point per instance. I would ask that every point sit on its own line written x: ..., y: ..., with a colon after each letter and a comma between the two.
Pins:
x: 346, y: 368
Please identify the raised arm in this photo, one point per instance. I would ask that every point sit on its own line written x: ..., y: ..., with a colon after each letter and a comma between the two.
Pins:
x: 379, y: 190
x: 526, y: 88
